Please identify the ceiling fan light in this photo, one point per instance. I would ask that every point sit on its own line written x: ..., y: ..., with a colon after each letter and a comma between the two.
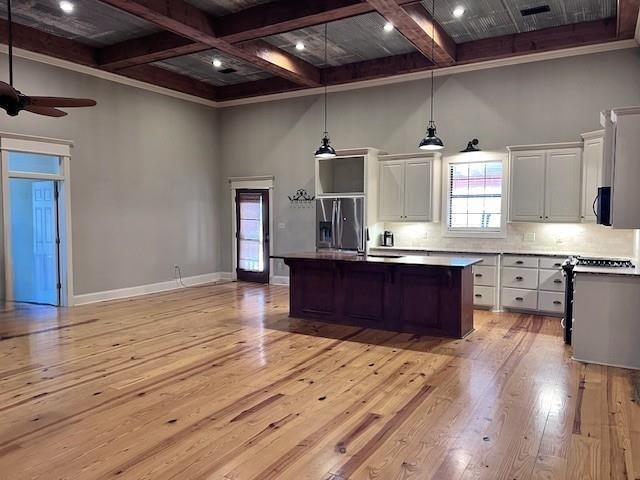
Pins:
x: 325, y: 150
x: 431, y: 141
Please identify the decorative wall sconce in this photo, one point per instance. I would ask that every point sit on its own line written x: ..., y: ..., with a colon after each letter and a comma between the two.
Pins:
x: 472, y: 146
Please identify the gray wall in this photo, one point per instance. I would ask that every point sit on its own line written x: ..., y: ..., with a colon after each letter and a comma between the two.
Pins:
x: 144, y: 174
x: 550, y: 101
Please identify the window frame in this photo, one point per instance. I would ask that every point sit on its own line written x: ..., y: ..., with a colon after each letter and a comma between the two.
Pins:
x: 475, y: 157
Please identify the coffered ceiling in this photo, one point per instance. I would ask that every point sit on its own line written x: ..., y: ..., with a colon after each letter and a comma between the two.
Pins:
x: 262, y: 47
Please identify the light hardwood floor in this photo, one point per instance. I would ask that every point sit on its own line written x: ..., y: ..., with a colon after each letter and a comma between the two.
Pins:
x: 217, y: 382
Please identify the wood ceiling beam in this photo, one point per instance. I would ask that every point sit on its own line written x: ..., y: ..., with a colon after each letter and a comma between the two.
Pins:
x: 628, y: 18
x: 34, y: 40
x: 183, y: 19
x: 416, y: 24
x: 171, y: 80
x: 554, y: 38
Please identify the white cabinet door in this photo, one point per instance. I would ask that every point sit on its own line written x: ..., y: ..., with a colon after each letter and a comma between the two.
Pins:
x: 563, y: 182
x: 392, y: 190
x: 591, y: 176
x: 417, y: 191
x: 527, y: 186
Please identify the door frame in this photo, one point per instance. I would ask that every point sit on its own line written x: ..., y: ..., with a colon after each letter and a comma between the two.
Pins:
x: 251, y: 183
x: 46, y: 146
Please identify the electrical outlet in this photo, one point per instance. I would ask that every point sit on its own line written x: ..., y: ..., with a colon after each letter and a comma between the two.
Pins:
x: 281, y: 226
x: 530, y: 237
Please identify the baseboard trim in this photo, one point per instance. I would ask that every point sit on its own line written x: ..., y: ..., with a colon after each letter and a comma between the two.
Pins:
x: 279, y: 280
x: 120, y: 293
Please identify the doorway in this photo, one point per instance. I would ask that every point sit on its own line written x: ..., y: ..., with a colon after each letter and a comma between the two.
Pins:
x: 252, y: 235
x: 35, y: 237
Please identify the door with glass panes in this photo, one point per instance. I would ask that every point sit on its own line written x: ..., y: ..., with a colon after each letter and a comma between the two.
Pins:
x: 252, y: 235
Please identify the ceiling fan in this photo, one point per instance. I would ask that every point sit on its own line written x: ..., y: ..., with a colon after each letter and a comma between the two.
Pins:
x: 13, y: 101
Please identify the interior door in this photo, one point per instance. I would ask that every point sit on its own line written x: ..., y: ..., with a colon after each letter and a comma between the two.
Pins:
x: 252, y: 235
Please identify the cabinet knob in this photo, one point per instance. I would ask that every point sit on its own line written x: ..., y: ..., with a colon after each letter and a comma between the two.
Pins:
x: 557, y: 302
x: 520, y: 262
x: 557, y: 280
x: 540, y: 216
x: 519, y: 299
x: 546, y: 217
x: 519, y: 279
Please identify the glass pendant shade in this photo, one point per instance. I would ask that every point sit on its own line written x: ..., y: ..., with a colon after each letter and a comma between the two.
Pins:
x: 431, y: 141
x: 325, y: 150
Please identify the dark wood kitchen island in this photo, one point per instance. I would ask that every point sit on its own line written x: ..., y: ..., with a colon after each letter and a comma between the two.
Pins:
x: 415, y: 294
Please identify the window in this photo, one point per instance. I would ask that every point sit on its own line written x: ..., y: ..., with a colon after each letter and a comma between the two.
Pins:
x: 475, y: 200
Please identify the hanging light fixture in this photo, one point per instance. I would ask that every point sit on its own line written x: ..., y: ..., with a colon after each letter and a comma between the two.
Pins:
x: 325, y: 150
x: 432, y: 141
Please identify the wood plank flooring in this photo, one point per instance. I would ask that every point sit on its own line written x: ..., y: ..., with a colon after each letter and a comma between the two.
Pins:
x: 216, y: 382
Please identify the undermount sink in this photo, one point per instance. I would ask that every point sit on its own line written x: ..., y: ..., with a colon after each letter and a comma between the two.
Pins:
x: 385, y: 256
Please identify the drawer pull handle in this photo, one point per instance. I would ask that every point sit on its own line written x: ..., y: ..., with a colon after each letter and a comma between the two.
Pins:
x: 557, y: 302
x: 478, y: 274
x: 478, y: 295
x: 557, y: 264
x: 519, y: 299
x: 557, y: 280
x: 519, y: 262
x: 519, y: 279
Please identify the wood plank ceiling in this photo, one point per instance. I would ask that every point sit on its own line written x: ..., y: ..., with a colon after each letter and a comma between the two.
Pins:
x: 172, y: 43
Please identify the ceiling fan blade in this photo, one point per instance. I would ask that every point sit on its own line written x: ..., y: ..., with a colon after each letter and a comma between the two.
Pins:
x: 7, y: 90
x: 48, y: 111
x: 61, y: 102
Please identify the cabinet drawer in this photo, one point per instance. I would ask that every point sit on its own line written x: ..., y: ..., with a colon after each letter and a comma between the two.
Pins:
x: 552, y: 280
x: 515, y: 261
x: 552, y: 263
x: 518, y: 298
x: 551, y: 302
x: 484, y: 275
x: 520, y: 277
x: 484, y: 296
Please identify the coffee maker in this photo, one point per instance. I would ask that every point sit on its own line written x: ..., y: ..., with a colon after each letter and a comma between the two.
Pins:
x: 387, y: 239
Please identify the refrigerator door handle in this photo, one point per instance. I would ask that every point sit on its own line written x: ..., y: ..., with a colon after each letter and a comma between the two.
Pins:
x: 334, y: 224
x: 339, y: 225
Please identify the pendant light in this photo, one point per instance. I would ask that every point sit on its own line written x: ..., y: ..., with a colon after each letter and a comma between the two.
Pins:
x: 432, y: 141
x: 325, y: 150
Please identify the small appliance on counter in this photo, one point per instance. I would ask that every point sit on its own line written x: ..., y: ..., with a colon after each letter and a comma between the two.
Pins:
x: 387, y: 239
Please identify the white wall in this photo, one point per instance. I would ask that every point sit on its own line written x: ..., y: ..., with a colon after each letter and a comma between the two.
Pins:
x: 145, y: 185
x: 550, y: 101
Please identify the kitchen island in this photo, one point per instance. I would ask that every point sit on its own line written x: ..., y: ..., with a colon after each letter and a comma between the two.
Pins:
x: 414, y: 294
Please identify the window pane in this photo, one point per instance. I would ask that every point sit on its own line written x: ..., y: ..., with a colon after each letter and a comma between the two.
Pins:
x: 475, y: 200
x: 33, y: 162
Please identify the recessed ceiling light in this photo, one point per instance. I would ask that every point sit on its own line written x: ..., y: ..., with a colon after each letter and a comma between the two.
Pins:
x: 299, y: 46
x: 66, y: 6
x: 388, y: 27
x: 217, y: 63
x: 458, y: 11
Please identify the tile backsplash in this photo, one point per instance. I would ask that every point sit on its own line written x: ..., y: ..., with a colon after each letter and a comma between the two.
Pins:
x: 586, y: 239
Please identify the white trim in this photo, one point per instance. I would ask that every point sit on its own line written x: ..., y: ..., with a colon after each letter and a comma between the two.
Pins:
x: 112, y: 77
x: 128, y: 292
x: 502, y: 62
x: 7, y: 136
x: 36, y: 176
x: 280, y: 280
x: 592, y: 135
x: 265, y: 182
x: 470, y: 158
x: 35, y: 145
x: 544, y: 146
x: 605, y: 364
x: 453, y: 70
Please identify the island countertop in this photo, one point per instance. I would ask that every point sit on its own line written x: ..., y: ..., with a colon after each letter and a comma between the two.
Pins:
x: 450, y: 261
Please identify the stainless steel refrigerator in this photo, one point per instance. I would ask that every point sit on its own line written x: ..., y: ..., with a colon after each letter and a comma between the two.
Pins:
x: 340, y: 223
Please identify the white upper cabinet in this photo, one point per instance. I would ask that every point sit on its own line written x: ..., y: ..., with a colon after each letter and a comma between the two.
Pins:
x: 409, y: 188
x: 592, y: 174
x: 563, y: 185
x: 527, y: 186
x: 391, y: 190
x: 545, y: 183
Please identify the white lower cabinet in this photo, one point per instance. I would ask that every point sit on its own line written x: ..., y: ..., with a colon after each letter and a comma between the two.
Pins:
x: 533, y: 283
x: 484, y: 296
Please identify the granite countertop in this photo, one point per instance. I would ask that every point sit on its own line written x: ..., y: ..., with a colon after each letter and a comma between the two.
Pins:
x: 632, y: 271
x: 428, y: 261
x: 480, y: 251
